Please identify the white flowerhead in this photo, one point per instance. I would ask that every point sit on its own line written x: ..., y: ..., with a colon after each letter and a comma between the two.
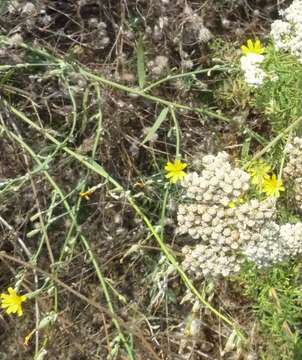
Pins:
x: 286, y: 33
x: 250, y: 65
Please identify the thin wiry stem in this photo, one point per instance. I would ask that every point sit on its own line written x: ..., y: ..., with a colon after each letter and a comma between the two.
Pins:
x: 83, y: 239
x: 95, y: 167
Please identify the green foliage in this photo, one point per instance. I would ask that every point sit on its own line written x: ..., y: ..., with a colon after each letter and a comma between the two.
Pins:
x: 141, y: 72
x: 280, y: 97
x: 231, y: 91
x: 157, y: 123
x: 275, y: 293
x: 278, y: 305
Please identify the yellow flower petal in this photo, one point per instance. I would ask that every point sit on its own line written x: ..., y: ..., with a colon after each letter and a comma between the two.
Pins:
x: 169, y: 166
x: 28, y: 337
x: 244, y: 49
x: 11, y: 291
x: 5, y: 305
x: 179, y: 165
x: 20, y: 311
x: 252, y: 48
x: 250, y: 44
x: 86, y: 194
x: 258, y: 49
x: 259, y: 171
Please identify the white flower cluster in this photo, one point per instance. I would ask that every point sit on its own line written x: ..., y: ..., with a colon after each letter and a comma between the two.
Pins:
x: 209, y: 217
x: 268, y: 249
x: 250, y: 65
x: 276, y: 244
x: 291, y: 235
x: 293, y: 169
x: 287, y: 33
x: 210, y: 261
x: 229, y: 235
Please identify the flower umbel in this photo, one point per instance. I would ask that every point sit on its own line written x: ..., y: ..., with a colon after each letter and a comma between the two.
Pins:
x: 12, y: 302
x: 259, y: 171
x: 175, y: 171
x: 273, y: 186
x: 252, y: 48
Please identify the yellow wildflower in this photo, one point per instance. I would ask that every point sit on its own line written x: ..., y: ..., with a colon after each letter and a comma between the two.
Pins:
x: 86, y: 194
x: 259, y: 172
x: 175, y: 170
x: 252, y: 48
x: 28, y: 337
x: 236, y: 202
x: 273, y: 186
x: 232, y: 204
x: 12, y: 302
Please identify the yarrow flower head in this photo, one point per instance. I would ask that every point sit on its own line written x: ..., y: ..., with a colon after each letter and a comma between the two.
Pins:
x: 175, y: 171
x: 12, y: 302
x: 253, y: 48
x: 286, y: 33
x: 273, y: 186
x: 250, y: 63
x: 259, y: 172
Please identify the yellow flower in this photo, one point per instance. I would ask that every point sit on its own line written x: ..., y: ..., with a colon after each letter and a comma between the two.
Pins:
x: 12, y: 302
x: 259, y: 172
x: 232, y: 204
x: 236, y: 202
x: 86, y: 194
x: 175, y: 170
x: 28, y: 337
x: 252, y: 48
x: 273, y: 186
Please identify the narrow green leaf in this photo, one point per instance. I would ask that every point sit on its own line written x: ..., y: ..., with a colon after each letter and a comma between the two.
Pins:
x: 246, y: 148
x: 141, y: 73
x: 161, y: 117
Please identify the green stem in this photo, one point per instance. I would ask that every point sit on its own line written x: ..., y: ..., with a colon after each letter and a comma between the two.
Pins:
x: 179, y: 76
x: 63, y: 65
x: 83, y: 239
x: 95, y: 167
x: 163, y: 212
x: 273, y: 142
x: 25, y: 65
x: 89, y: 75
x: 177, y: 132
